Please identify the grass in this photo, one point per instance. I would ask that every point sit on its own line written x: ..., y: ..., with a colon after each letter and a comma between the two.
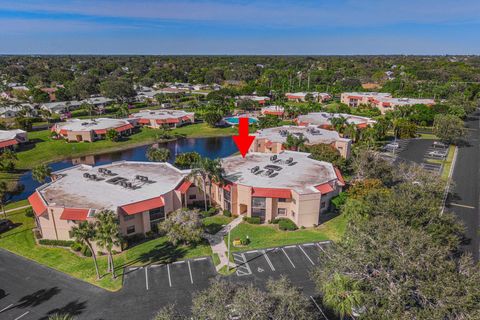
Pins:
x: 20, y: 241
x: 215, y: 259
x: 223, y: 271
x: 215, y: 223
x: 448, y: 162
x: 267, y: 236
x: 429, y: 136
x: 47, y: 150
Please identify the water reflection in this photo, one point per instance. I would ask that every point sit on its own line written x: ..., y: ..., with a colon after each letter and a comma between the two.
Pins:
x: 217, y: 147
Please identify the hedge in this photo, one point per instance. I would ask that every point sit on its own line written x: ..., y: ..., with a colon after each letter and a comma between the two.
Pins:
x: 59, y: 243
x: 252, y: 220
x: 287, y: 225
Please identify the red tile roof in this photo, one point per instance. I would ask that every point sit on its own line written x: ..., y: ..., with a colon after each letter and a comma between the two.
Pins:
x: 271, y: 193
x: 124, y: 127
x: 101, y: 131
x: 183, y: 188
x: 144, y: 121
x: 273, y: 113
x: 324, y: 188
x: 37, y: 204
x: 8, y: 143
x: 339, y: 177
x: 74, y: 214
x: 142, y: 206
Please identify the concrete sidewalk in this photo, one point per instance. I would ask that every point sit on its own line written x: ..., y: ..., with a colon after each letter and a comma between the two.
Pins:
x: 218, y: 245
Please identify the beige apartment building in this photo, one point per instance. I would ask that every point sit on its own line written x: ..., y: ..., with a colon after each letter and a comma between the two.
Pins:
x: 382, y: 101
x: 141, y: 193
x: 159, y: 118
x: 324, y: 119
x: 285, y: 185
x: 301, y: 96
x: 271, y: 140
x: 90, y: 130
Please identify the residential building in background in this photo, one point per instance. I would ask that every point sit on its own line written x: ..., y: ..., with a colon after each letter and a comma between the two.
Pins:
x: 383, y: 101
x: 301, y: 96
x: 271, y: 140
x: 273, y: 111
x: 259, y: 99
x: 323, y: 119
x: 12, y: 138
x: 90, y: 130
x: 158, y: 118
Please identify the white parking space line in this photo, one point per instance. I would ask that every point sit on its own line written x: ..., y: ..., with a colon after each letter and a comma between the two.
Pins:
x: 252, y: 251
x: 288, y: 247
x: 7, y: 307
x: 155, y: 265
x: 146, y: 277
x: 306, y: 255
x: 308, y: 244
x: 133, y: 268
x: 178, y: 262
x: 461, y: 205
x: 169, y: 278
x: 268, y: 260
x: 200, y: 259
x: 324, y: 242
x: 286, y: 255
x: 23, y: 315
x: 318, y: 307
x: 318, y: 244
x: 243, y: 269
x: 190, y: 271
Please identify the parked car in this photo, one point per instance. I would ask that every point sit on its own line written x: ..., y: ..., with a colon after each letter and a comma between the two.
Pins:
x: 437, y: 153
x: 392, y: 146
x: 438, y: 144
x: 5, y: 225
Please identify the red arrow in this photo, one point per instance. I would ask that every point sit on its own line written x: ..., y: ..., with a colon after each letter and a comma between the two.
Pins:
x: 243, y: 140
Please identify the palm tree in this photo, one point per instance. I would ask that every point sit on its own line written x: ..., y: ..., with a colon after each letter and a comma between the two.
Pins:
x: 108, y: 236
x: 41, y: 173
x: 200, y: 171
x: 338, y: 123
x: 45, y: 114
x: 3, y: 193
x: 295, y: 142
x: 215, y: 173
x: 85, y: 233
x: 342, y: 295
x: 351, y: 131
x: 88, y: 107
x: 158, y: 154
x: 60, y: 316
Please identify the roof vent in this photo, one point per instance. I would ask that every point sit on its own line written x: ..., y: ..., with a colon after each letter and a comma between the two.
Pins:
x: 273, y: 158
x: 255, y: 169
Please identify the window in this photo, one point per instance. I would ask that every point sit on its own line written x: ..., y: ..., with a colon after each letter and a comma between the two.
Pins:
x: 227, y: 202
x: 281, y: 211
x: 130, y: 229
x: 323, y: 204
x: 157, y: 214
x: 293, y: 213
x: 258, y: 207
x: 128, y: 218
x: 192, y: 196
x: 282, y: 200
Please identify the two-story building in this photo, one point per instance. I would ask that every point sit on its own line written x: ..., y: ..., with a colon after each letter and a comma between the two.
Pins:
x: 90, y: 130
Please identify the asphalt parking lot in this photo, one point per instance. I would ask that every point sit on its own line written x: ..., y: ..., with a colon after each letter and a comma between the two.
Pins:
x: 421, y: 152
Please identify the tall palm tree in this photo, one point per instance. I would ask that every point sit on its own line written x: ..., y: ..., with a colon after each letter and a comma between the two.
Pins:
x: 342, y: 294
x: 215, y: 173
x: 351, y: 131
x: 41, y: 173
x: 295, y: 142
x: 200, y: 171
x: 85, y: 233
x: 60, y: 316
x: 338, y: 123
x: 107, y: 235
x: 88, y: 107
x: 3, y: 193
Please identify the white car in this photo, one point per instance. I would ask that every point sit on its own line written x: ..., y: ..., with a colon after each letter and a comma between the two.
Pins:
x: 436, y: 153
x: 438, y: 144
x: 392, y: 145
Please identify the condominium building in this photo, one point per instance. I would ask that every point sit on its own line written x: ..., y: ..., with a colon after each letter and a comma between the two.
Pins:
x: 158, y: 118
x: 12, y: 138
x: 271, y: 140
x: 273, y: 111
x: 301, y: 96
x: 259, y: 99
x: 285, y: 185
x: 92, y: 129
x: 383, y: 101
x: 140, y: 193
x: 323, y: 119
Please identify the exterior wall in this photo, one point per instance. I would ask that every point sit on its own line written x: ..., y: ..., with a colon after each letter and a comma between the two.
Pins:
x: 344, y: 147
x: 50, y: 219
x: 86, y: 135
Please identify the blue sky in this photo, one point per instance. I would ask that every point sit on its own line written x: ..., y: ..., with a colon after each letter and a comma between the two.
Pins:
x: 240, y: 27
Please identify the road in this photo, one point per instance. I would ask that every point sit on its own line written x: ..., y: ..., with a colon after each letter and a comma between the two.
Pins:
x: 464, y: 199
x: 30, y: 291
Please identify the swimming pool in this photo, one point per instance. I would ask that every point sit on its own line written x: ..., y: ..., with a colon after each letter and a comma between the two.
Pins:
x: 234, y: 120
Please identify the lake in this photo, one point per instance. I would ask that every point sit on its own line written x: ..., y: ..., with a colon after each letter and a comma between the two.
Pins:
x: 216, y: 147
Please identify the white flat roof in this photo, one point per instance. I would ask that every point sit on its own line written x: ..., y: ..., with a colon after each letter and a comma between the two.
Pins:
x: 367, y: 94
x: 161, y: 114
x: 312, y: 133
x: 407, y: 101
x: 300, y: 177
x: 73, y: 190
x: 323, y: 118
x: 273, y: 108
x: 10, y: 134
x: 92, y: 124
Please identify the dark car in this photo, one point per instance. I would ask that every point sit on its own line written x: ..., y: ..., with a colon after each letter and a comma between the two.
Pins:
x: 5, y: 225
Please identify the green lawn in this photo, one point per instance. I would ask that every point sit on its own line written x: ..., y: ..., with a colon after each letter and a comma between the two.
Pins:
x: 215, y: 223
x: 267, y: 236
x: 47, y: 150
x: 20, y: 241
x: 447, y: 163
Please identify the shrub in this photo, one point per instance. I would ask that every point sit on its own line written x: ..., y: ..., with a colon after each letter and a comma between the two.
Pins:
x: 245, y: 242
x: 86, y: 251
x: 76, y: 246
x: 227, y: 213
x: 211, y: 212
x: 58, y: 243
x: 287, y: 225
x: 29, y: 213
x: 252, y: 220
x: 149, y: 234
x: 275, y: 221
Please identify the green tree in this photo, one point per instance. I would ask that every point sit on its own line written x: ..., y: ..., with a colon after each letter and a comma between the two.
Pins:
x: 269, y: 121
x: 85, y: 233
x: 448, y: 128
x: 112, y: 135
x: 338, y: 123
x: 60, y: 316
x: 295, y: 142
x: 405, y: 129
x: 24, y: 123
x: 118, y: 89
x: 90, y: 108
x: 186, y: 160
x: 8, y: 159
x: 39, y: 96
x: 157, y: 154
x: 169, y: 312
x: 108, y: 236
x: 182, y: 226
x: 327, y: 153
x: 41, y: 172
x: 3, y: 194
x: 342, y: 294
x: 212, y: 118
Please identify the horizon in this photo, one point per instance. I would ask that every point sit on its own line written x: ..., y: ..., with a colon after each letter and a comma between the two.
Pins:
x: 240, y: 27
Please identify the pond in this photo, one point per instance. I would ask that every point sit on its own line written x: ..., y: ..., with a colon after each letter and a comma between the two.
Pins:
x: 216, y: 147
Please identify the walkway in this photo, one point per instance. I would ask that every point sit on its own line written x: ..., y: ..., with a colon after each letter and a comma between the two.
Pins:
x: 16, y: 209
x: 218, y: 245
